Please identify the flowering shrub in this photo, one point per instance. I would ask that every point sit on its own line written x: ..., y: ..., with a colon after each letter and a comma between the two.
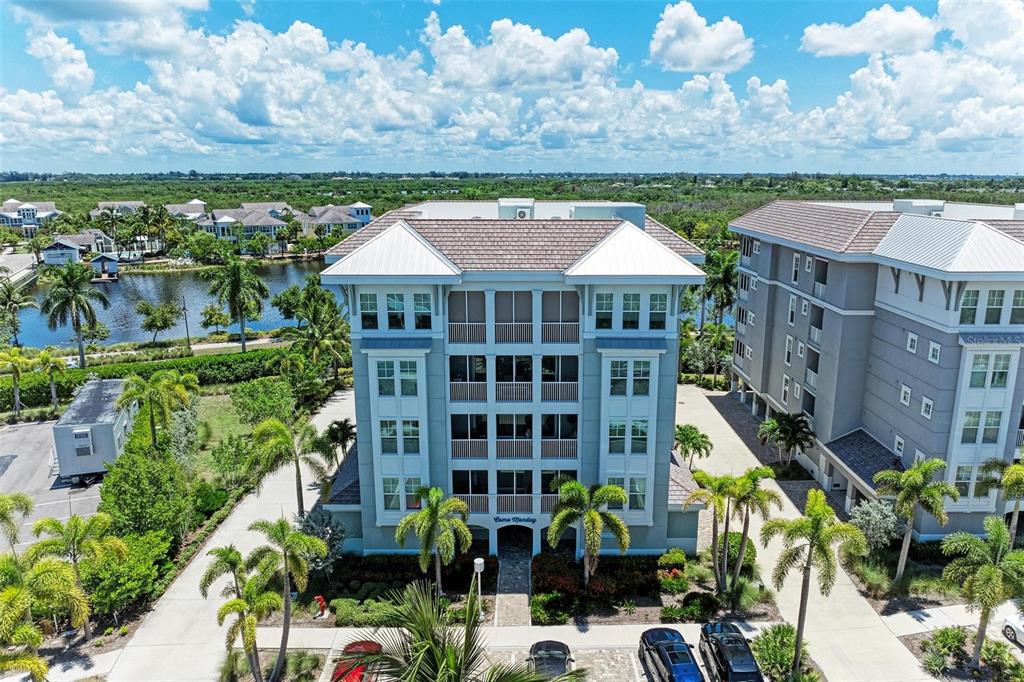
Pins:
x: 673, y: 581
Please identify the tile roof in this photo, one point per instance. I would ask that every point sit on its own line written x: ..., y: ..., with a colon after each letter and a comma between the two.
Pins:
x: 680, y: 482
x: 864, y: 455
x: 330, y: 215
x: 265, y: 205
x: 1014, y: 228
x: 345, y: 488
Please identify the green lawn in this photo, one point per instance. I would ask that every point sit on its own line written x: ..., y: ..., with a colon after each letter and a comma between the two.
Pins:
x: 219, y: 414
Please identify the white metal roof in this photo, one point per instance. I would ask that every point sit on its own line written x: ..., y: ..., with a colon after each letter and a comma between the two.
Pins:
x: 954, y: 246
x: 397, y: 252
x: 359, y: 204
x: 630, y: 252
x: 488, y: 210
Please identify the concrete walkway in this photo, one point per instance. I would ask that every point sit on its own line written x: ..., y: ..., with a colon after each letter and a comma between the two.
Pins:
x: 926, y: 620
x: 846, y: 638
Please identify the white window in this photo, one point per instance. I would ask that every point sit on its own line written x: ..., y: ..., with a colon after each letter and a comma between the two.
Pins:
x: 631, y: 311
x: 796, y: 268
x: 617, y: 437
x: 972, y: 423
x: 788, y: 359
x: 422, y: 308
x: 392, y: 498
x: 785, y: 389
x: 638, y: 437
x: 1000, y: 370
x: 83, y: 442
x: 757, y: 247
x: 412, y: 499
x: 979, y: 370
x: 962, y: 479
x: 396, y: 311
x: 753, y: 287
x: 796, y: 390
x: 385, y: 378
x: 659, y: 306
x: 619, y: 482
x: 912, y: 342
x: 808, y: 263
x: 898, y: 446
x: 641, y: 377
x: 919, y: 456
x: 994, y: 306
x: 800, y: 349
x: 619, y: 374
x: 368, y: 310
x: 388, y: 437
x: 792, y: 310
x: 603, y: 310
x: 748, y: 352
x: 751, y: 318
x: 407, y: 371
x: 637, y: 493
x: 805, y: 307
x: 934, y: 350
x: 1017, y: 307
x: 904, y: 394
x: 926, y: 408
x: 993, y: 420
x: 411, y: 437
x: 969, y: 307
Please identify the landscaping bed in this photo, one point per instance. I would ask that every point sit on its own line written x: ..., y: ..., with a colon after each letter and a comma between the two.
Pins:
x: 921, y: 586
x: 945, y: 654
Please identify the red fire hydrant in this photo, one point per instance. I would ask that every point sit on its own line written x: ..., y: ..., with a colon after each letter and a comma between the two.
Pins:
x: 322, y: 603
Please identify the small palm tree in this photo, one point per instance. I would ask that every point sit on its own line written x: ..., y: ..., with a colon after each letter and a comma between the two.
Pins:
x: 74, y: 540
x: 14, y: 363
x: 276, y: 445
x: 987, y: 570
x: 341, y: 433
x: 18, y: 659
x: 915, y: 488
x: 324, y: 334
x: 45, y: 582
x: 788, y: 432
x: 236, y: 285
x: 13, y: 506
x: 691, y: 441
x: 1009, y: 478
x: 750, y: 498
x: 285, y: 558
x: 713, y: 493
x: 588, y: 507
x: 70, y: 298
x: 50, y: 363
x: 253, y: 603
x: 810, y: 542
x: 440, y: 526
x: 227, y: 560
x: 12, y: 302
x: 164, y: 392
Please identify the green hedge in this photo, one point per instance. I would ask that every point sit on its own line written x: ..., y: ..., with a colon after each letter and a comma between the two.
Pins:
x: 211, y: 369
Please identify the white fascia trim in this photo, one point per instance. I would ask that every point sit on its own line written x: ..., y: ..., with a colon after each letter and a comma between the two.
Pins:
x: 630, y: 352
x: 811, y: 297
x: 742, y: 373
x: 636, y: 279
x: 389, y: 279
x: 805, y: 248
x: 952, y: 275
x: 395, y: 352
x: 696, y: 259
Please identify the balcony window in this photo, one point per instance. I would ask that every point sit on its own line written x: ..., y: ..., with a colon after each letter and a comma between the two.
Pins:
x: 1017, y: 307
x: 791, y: 317
x: 603, y: 310
x: 518, y: 426
x: 385, y: 378
x: 559, y: 426
x: 469, y: 427
x: 637, y: 493
x: 659, y: 308
x: 994, y: 306
x: 422, y: 310
x: 549, y: 477
x: 560, y: 306
x: 619, y: 374
x: 618, y: 482
x: 464, y: 368
x: 979, y: 370
x: 631, y: 311
x: 388, y: 437
x: 788, y: 357
x: 411, y: 437
x: 638, y: 437
x: 641, y: 377
x: 515, y: 482
x: 559, y: 368
x: 1000, y: 370
x: 513, y: 368
x: 368, y: 311
x: 392, y: 498
x: 796, y: 269
x: 993, y: 420
x: 617, y: 437
x: 472, y: 482
x: 972, y: 423
x: 969, y: 307
x: 412, y: 498
x: 513, y: 306
x: 466, y: 306
x: 407, y: 372
x: 396, y: 311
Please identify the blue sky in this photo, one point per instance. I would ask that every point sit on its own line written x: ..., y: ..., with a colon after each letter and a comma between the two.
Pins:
x: 495, y: 86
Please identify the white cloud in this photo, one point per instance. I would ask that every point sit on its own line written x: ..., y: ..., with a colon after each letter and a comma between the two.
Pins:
x: 60, y: 12
x: 248, y: 7
x: 64, y: 63
x: 991, y: 28
x: 683, y: 41
x: 883, y: 29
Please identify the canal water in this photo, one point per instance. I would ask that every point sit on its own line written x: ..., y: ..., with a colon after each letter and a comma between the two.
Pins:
x: 192, y: 287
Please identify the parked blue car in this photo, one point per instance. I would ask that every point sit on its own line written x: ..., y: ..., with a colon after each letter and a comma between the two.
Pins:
x: 667, y: 656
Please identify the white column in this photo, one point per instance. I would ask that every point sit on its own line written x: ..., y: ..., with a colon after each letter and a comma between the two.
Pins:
x: 851, y: 495
x: 489, y: 315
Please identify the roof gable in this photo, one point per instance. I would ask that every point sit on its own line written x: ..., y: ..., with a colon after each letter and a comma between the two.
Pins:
x: 955, y: 246
x: 399, y: 251
x: 628, y: 251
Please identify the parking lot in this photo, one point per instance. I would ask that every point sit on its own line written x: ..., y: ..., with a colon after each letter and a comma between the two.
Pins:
x: 26, y: 465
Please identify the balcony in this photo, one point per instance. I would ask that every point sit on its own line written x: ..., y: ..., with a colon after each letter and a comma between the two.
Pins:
x: 513, y: 391
x: 743, y: 294
x: 521, y: 504
x: 547, y: 503
x: 815, y: 335
x: 468, y: 391
x: 478, y: 504
x: 558, y: 448
x: 469, y: 448
x: 513, y: 332
x: 811, y: 378
x: 741, y: 328
x: 560, y: 391
x: 467, y: 332
x: 819, y: 289
x: 560, y: 332
x: 514, y: 448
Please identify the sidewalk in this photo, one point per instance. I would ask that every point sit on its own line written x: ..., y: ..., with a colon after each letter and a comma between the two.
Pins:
x: 926, y: 620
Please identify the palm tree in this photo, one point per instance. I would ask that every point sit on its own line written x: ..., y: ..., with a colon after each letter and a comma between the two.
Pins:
x: 691, y: 441
x: 1009, y: 478
x: 227, y: 560
x: 71, y: 297
x: 440, y: 527
x: 750, y: 498
x: 325, y: 332
x: 77, y: 539
x: 285, y: 557
x: 48, y: 582
x: 915, y: 488
x: 431, y: 645
x: 50, y: 363
x: 14, y: 363
x: 20, y: 660
x: 165, y: 391
x: 988, y: 571
x: 341, y: 433
x: 713, y: 493
x: 276, y: 445
x: 12, y: 506
x: 722, y: 280
x: 809, y: 542
x: 788, y: 432
x: 588, y: 507
x: 37, y: 244
x: 12, y: 302
x: 237, y: 286
x: 253, y: 603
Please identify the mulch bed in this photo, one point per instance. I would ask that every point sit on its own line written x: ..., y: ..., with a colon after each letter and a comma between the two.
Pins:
x: 59, y: 649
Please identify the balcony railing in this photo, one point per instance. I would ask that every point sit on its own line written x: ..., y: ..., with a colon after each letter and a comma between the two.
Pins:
x: 1020, y: 438
x: 513, y: 332
x: 815, y: 334
x: 547, y: 503
x: 522, y: 504
x: 462, y: 391
x: 811, y: 378
x: 558, y: 448
x: 472, y: 448
x: 560, y: 332
x: 478, y: 504
x: 560, y: 391
x: 513, y: 391
x: 514, y: 448
x: 467, y: 332
x: 741, y: 328
x: 819, y: 289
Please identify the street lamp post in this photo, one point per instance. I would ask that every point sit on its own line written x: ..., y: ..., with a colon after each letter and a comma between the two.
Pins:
x: 478, y: 568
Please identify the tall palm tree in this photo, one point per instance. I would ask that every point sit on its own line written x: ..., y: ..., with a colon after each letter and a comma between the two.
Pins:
x: 74, y: 540
x: 253, y: 603
x: 237, y: 286
x: 23, y: 583
x: 915, y: 488
x: 432, y: 646
x: 691, y: 441
x: 323, y: 332
x: 750, y: 498
x: 14, y: 363
x: 440, y: 526
x: 713, y: 493
x: 588, y: 507
x: 276, y: 445
x: 809, y: 542
x: 70, y: 298
x: 285, y: 556
x: 1009, y: 478
x: 165, y: 391
x: 13, y: 506
x: 788, y: 432
x: 12, y: 302
x: 52, y: 365
x: 37, y: 244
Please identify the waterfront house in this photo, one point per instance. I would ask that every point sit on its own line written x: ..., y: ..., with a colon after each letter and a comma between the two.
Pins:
x: 27, y: 217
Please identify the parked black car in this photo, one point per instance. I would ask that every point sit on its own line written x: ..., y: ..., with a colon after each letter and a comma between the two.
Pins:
x: 727, y: 655
x: 550, y: 658
x: 667, y: 657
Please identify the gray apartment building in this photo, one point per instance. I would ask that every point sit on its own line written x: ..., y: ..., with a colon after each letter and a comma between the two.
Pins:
x: 897, y: 328
x: 497, y: 345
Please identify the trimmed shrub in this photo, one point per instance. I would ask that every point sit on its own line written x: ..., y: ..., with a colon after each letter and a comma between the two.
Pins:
x: 696, y: 607
x: 749, y: 555
x: 948, y: 641
x: 208, y: 499
x: 550, y: 608
x: 673, y: 558
x: 774, y: 647
x: 673, y: 581
x: 370, y: 614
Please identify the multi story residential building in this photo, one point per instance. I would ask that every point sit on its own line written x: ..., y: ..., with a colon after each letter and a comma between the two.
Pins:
x: 191, y: 210
x: 897, y: 328
x: 325, y: 220
x: 27, y: 217
x: 118, y: 208
x: 232, y: 223
x: 499, y: 345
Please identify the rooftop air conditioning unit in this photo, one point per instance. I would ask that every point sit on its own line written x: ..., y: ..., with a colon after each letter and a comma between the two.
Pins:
x: 522, y: 213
